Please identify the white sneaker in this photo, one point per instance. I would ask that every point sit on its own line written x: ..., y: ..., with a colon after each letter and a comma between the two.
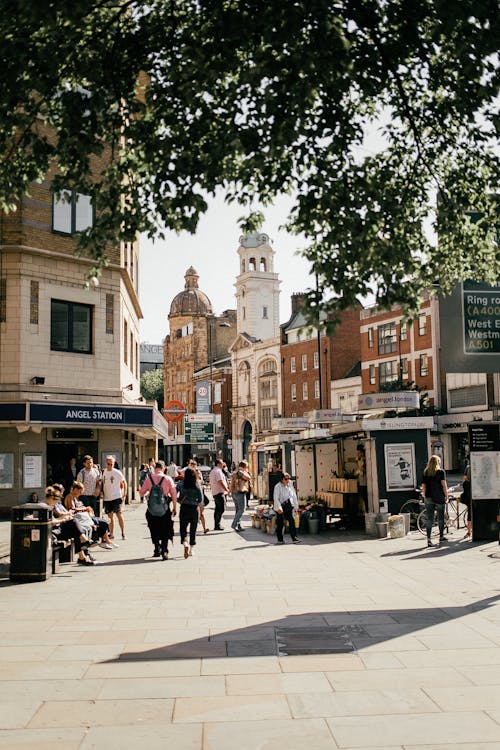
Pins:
x: 106, y: 545
x: 115, y: 546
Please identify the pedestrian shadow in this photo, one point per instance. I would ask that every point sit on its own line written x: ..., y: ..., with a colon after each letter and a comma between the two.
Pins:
x: 312, y: 633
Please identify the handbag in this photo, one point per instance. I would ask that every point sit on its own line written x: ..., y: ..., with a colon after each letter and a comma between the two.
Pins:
x: 205, y: 499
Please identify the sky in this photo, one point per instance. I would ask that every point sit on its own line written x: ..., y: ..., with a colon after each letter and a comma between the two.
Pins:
x: 213, y: 253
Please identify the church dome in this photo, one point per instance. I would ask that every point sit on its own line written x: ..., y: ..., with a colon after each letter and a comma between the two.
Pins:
x: 192, y: 301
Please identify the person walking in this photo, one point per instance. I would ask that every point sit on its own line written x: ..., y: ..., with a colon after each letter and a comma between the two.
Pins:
x: 435, y: 492
x: 466, y: 499
x: 219, y: 489
x: 114, y: 489
x: 160, y: 490
x: 90, y: 477
x: 199, y: 478
x: 285, y: 503
x: 241, y: 484
x: 191, y: 501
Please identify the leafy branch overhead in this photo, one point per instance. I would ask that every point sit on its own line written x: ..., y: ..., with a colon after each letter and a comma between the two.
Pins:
x: 262, y: 99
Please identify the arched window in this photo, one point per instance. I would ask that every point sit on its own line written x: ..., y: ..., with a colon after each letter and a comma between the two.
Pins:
x: 244, y: 382
x: 263, y: 265
x: 251, y: 264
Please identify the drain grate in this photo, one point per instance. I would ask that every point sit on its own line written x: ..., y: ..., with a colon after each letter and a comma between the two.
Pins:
x: 331, y: 639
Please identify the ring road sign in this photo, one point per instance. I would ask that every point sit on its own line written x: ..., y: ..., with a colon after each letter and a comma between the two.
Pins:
x: 174, y: 411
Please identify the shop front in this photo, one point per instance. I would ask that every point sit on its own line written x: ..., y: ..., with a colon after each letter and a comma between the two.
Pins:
x: 39, y: 440
x: 394, y: 453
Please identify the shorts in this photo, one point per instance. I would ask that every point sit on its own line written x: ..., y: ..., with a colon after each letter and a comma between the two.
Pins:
x: 112, y: 506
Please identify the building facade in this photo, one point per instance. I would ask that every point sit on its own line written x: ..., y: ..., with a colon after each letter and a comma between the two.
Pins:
x: 255, y: 353
x: 69, y: 350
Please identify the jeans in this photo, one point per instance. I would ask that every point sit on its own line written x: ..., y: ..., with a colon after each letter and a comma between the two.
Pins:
x: 239, y: 504
x: 219, y: 509
x: 280, y: 521
x: 188, y: 516
x: 430, y: 507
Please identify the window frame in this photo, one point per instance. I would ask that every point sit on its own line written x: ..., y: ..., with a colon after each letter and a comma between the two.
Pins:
x: 72, y: 206
x: 70, y: 308
x: 386, y: 340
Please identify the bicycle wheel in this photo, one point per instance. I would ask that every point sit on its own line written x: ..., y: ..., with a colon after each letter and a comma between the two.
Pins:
x: 422, y: 524
x: 414, y: 508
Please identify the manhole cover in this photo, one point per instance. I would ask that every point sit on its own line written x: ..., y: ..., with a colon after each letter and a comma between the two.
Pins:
x: 335, y: 639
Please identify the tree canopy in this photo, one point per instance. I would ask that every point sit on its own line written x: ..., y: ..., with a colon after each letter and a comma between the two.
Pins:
x: 260, y: 99
x: 152, y: 386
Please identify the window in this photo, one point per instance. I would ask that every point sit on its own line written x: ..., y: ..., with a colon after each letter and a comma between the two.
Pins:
x: 422, y: 324
x: 388, y: 371
x: 403, y: 331
x: 110, y: 313
x: 387, y: 338
x: 424, y: 364
x: 470, y: 395
x: 72, y: 212
x: 264, y: 312
x: 70, y: 327
x: 316, y: 360
x: 371, y: 341
x: 404, y: 368
x: 131, y: 363
x: 217, y: 393
x: 244, y: 314
x: 316, y: 389
x: 266, y: 418
x: 304, y: 362
x: 34, y: 300
x: 372, y: 374
x: 125, y: 342
x: 293, y: 366
x: 263, y: 265
x: 305, y: 392
x: 293, y: 392
x: 3, y: 300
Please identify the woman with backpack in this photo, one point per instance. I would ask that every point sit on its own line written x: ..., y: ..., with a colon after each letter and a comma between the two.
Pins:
x: 191, y: 500
x: 160, y: 490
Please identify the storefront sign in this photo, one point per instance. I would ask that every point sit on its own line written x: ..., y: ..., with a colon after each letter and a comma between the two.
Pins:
x: 390, y: 400
x: 410, y: 423
x: 290, y: 423
x: 91, y: 414
x: 13, y: 412
x: 399, y: 466
x: 319, y: 416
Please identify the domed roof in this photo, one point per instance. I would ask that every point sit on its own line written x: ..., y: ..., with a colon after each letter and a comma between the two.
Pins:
x: 192, y: 301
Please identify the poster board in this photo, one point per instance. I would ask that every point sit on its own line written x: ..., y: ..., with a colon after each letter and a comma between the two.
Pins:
x: 32, y: 470
x: 400, y: 468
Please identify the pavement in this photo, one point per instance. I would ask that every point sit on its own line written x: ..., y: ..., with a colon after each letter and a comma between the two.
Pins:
x: 343, y: 641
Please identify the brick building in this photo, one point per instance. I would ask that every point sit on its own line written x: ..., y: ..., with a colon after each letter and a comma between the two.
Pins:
x: 392, y: 349
x: 309, y: 364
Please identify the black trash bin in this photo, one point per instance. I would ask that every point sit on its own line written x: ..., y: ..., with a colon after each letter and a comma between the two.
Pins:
x: 30, y: 549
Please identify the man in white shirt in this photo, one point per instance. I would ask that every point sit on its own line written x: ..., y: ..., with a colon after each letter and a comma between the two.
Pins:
x: 219, y: 489
x: 285, y: 503
x: 114, y: 489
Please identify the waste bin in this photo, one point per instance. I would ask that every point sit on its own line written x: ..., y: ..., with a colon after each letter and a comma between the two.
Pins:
x: 30, y: 549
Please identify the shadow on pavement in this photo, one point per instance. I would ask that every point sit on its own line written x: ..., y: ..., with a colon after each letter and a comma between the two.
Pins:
x: 314, y: 633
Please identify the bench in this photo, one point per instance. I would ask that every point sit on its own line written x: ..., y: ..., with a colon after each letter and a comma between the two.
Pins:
x: 63, y: 551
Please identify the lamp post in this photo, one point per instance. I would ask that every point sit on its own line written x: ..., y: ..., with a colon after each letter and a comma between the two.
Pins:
x: 320, y: 378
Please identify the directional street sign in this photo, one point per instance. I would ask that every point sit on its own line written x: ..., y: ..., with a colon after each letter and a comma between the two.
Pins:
x: 199, y: 428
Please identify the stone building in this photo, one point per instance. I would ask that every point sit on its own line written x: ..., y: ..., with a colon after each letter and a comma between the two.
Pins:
x: 197, y: 339
x: 255, y: 353
x: 69, y: 351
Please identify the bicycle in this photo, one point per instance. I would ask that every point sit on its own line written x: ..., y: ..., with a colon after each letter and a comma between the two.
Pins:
x: 453, y: 516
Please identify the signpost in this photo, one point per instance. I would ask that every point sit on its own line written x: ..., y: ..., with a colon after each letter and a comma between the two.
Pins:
x: 199, y: 428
